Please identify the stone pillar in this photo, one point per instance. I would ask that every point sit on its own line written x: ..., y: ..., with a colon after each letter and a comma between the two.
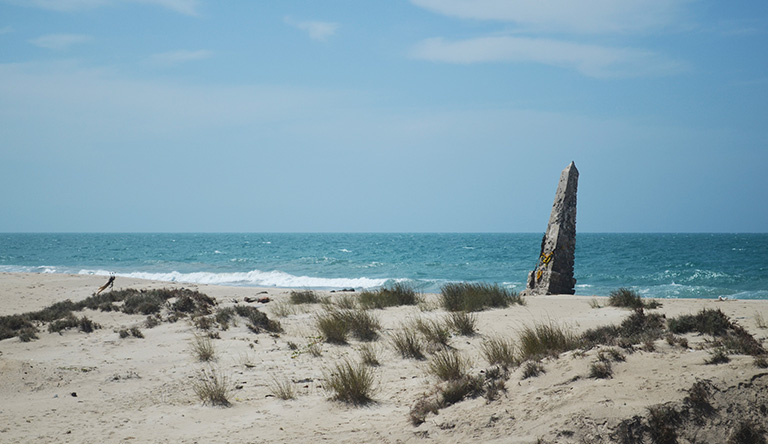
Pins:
x: 554, y: 270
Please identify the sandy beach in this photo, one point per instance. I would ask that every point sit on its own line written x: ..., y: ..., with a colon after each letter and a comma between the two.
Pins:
x: 99, y: 387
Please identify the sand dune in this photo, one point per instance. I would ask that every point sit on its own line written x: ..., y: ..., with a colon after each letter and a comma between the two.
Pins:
x: 97, y: 387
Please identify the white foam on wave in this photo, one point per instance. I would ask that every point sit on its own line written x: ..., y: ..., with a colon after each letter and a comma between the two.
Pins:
x: 256, y: 278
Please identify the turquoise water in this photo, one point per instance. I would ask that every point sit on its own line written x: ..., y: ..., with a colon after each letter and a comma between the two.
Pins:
x: 657, y: 265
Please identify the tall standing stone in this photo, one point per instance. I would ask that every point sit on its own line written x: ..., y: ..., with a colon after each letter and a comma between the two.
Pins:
x: 554, y: 271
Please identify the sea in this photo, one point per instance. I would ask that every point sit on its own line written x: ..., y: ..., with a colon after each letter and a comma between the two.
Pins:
x: 682, y: 265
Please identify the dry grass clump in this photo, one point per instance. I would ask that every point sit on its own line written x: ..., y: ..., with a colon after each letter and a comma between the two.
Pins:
x: 350, y: 383
x: 396, y: 295
x: 468, y: 296
x: 462, y: 323
x: 544, y: 340
x: 203, y: 349
x: 304, y: 297
x: 346, y: 302
x: 601, y: 370
x: 407, y: 342
x: 332, y: 326
x: 624, y: 297
x: 212, y: 387
x: 499, y: 351
x: 636, y: 328
x: 663, y: 421
x: 718, y: 356
x: 282, y: 388
x: 84, y: 324
x: 133, y: 331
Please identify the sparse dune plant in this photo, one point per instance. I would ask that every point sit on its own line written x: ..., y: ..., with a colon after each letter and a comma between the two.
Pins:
x: 282, y: 388
x: 304, y: 297
x: 395, y: 295
x: 203, y: 349
x: 449, y: 365
x: 332, y: 326
x: 212, y: 387
x: 435, y: 332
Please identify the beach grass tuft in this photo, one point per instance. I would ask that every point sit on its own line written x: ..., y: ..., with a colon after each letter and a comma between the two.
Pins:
x: 601, y: 370
x: 304, y: 297
x: 203, y: 349
x: 532, y: 369
x: 257, y: 321
x: 471, y: 296
x: 407, y: 342
x: 282, y: 388
x: 395, y: 295
x: 350, y: 382
x: 212, y: 387
x: 435, y: 332
x: 627, y: 298
x: 448, y: 365
x: 462, y: 323
x: 544, y: 340
x: 499, y: 351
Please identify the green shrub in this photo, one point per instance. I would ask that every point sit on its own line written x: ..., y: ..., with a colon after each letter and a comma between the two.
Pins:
x: 350, y: 383
x: 477, y: 296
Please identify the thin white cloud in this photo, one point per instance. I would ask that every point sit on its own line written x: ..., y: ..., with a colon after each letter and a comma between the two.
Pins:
x: 317, y: 30
x: 590, y: 60
x: 176, y: 57
x: 188, y: 7
x: 6, y: 30
x: 583, y: 16
x: 59, y: 42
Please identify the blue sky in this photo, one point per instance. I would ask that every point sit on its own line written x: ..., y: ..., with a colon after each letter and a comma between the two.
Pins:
x: 371, y: 115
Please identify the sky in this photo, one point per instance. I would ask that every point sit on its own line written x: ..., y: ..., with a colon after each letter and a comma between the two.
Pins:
x: 382, y: 115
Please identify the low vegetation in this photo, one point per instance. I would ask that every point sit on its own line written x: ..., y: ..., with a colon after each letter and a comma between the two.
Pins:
x: 395, y: 295
x: 625, y: 297
x: 351, y: 383
x: 212, y: 387
x: 544, y: 340
x: 304, y: 297
x: 477, y: 296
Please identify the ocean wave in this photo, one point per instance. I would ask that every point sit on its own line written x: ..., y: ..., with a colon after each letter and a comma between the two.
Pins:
x: 255, y: 278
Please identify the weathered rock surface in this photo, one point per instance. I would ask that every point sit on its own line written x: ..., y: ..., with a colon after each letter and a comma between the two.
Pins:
x: 554, y: 270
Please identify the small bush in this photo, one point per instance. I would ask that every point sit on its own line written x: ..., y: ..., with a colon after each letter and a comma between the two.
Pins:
x: 698, y: 397
x: 532, y: 369
x: 761, y: 361
x: 448, y: 365
x: 663, y: 421
x: 213, y: 388
x: 151, y: 322
x: 304, y: 297
x: 257, y: 321
x: 456, y: 390
x: 499, y: 351
x: 624, y: 297
x: 545, y: 340
x: 27, y: 334
x: 123, y: 333
x: 408, y: 343
x: 719, y: 356
x: 747, y: 432
x: 224, y: 317
x: 203, y: 349
x: 477, y: 296
x: 282, y: 389
x: 463, y: 323
x: 707, y: 321
x: 350, y: 383
x: 145, y: 303
x: 601, y: 370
